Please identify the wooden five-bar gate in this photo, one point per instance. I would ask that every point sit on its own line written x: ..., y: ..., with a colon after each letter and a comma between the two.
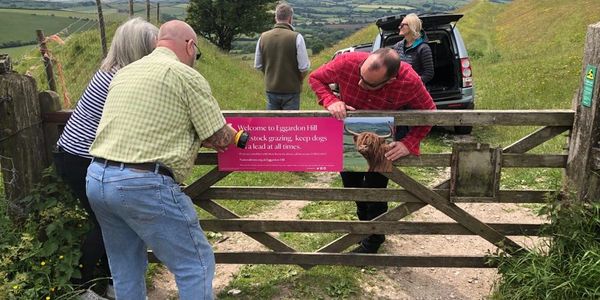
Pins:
x: 475, y: 178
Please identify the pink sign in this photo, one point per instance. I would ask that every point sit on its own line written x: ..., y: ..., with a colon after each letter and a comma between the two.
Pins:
x: 286, y: 144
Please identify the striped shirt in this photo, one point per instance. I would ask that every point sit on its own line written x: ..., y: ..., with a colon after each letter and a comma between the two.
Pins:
x: 158, y: 110
x: 80, y: 130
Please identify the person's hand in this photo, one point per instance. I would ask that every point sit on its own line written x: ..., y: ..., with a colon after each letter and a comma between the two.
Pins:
x: 397, y: 150
x: 338, y: 109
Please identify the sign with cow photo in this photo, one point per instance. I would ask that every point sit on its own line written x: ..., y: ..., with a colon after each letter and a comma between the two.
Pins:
x: 307, y: 144
x: 366, y: 140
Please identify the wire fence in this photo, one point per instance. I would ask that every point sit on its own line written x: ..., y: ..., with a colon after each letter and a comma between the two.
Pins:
x: 82, y: 38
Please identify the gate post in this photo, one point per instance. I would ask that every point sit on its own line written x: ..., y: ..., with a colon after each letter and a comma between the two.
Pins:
x: 22, y: 154
x: 583, y: 169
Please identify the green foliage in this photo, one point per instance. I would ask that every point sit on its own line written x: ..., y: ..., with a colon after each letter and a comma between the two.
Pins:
x: 568, y: 267
x: 38, y: 258
x: 221, y: 21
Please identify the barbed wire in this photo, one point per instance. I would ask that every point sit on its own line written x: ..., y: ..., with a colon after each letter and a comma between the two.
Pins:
x: 12, y: 181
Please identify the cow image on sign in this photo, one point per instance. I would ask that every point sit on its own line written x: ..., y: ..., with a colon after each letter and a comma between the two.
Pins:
x: 372, y: 147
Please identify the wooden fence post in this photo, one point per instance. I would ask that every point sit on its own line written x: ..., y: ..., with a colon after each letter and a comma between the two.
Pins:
x: 102, y: 28
x: 47, y: 60
x: 130, y: 8
x: 158, y: 13
x: 50, y: 102
x: 22, y: 151
x: 584, y: 151
x: 148, y: 10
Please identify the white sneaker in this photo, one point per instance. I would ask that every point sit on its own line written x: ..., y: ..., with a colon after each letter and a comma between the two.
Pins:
x: 91, y: 295
x: 110, y: 292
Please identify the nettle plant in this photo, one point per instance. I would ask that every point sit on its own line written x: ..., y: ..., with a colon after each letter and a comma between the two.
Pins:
x: 39, y: 256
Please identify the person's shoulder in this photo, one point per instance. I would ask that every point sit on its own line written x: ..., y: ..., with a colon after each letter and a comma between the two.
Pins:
x: 407, y: 75
x: 353, y: 56
x: 190, y: 75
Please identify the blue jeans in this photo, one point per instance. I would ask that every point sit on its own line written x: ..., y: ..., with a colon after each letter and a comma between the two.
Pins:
x: 138, y: 208
x: 277, y: 101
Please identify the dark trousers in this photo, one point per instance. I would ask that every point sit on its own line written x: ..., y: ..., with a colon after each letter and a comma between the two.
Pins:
x: 73, y: 169
x: 367, y: 211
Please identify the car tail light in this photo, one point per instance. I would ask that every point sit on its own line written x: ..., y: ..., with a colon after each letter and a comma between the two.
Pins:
x: 467, y: 73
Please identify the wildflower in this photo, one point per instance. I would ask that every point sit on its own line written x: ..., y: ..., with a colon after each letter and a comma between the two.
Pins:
x: 15, y: 287
x: 80, y: 266
x: 43, y: 263
x: 52, y: 289
x: 61, y: 257
x: 47, y: 297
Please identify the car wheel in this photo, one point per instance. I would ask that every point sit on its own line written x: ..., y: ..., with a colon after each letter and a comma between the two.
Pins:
x: 463, y: 129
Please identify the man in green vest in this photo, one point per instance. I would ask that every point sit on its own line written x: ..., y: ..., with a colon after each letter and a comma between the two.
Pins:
x: 281, y: 55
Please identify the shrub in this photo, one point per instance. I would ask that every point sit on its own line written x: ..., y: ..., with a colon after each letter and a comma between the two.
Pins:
x: 38, y: 258
x: 567, y: 268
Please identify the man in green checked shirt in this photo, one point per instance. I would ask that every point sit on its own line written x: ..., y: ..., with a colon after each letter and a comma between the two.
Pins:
x: 158, y: 112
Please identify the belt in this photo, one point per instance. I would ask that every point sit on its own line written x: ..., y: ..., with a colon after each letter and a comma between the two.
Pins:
x: 151, y: 167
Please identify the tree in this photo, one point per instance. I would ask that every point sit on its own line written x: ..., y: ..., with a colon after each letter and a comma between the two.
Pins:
x: 220, y: 21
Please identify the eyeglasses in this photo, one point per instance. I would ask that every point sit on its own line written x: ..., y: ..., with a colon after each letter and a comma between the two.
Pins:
x: 402, y: 25
x: 371, y: 85
x: 198, y: 53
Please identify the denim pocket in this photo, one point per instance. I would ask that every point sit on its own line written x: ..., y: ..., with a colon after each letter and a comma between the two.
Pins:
x: 142, y: 202
x: 185, y: 205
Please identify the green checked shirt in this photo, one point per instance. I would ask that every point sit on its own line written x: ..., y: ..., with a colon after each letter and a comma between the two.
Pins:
x: 157, y: 110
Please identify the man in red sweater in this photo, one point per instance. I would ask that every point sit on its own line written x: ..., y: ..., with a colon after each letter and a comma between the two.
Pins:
x: 373, y: 81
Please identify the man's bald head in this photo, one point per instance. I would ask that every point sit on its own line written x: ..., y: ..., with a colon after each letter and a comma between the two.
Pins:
x: 180, y: 38
x: 176, y: 30
x: 384, y: 58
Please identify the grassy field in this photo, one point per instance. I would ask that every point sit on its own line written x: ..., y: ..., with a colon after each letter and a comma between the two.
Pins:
x: 19, y: 26
x: 17, y: 53
x: 90, y: 13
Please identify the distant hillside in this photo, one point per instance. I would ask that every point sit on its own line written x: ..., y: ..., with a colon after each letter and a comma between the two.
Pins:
x: 527, y: 54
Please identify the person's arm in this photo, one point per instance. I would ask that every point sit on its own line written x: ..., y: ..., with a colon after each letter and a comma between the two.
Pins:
x: 302, y: 57
x: 427, y: 63
x: 320, y: 79
x: 258, y: 63
x: 421, y: 101
x: 221, y: 139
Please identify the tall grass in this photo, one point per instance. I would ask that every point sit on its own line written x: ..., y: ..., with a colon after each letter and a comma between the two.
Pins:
x: 567, y: 267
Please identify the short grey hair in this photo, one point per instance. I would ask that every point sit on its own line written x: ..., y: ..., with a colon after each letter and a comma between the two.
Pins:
x: 414, y: 24
x: 283, y: 11
x: 133, y: 40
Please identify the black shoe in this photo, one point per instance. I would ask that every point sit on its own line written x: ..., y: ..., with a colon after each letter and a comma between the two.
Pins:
x: 363, y: 249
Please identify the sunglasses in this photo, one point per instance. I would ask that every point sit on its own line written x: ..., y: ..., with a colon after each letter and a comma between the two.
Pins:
x: 371, y: 85
x: 198, y: 53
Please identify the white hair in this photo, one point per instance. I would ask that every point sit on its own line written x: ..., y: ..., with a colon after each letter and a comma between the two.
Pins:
x: 133, y: 40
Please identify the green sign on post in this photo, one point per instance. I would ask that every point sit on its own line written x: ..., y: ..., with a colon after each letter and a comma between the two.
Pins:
x: 588, y: 85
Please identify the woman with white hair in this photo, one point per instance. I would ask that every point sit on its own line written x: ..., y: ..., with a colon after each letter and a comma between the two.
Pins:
x: 414, y: 49
x: 133, y: 40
